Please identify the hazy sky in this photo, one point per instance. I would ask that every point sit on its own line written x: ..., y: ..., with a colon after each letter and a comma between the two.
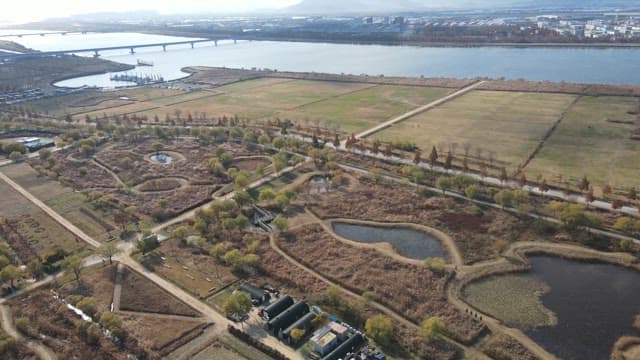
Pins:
x: 28, y: 10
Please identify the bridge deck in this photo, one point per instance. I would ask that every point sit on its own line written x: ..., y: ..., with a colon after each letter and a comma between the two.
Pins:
x: 98, y: 49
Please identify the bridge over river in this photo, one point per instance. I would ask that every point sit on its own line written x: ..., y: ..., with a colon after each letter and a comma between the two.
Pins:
x: 96, y: 51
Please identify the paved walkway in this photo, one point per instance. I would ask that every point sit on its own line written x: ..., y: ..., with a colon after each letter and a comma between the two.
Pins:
x: 419, y: 110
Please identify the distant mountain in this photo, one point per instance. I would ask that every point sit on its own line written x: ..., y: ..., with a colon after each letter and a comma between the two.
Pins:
x: 376, y: 6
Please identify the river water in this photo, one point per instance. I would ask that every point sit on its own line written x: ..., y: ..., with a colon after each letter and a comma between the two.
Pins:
x: 581, y: 65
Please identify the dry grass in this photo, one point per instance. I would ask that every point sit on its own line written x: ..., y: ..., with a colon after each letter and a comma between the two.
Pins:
x: 514, y: 299
x: 202, y: 274
x: 500, y: 346
x: 585, y: 143
x: 507, y: 124
x: 410, y: 290
x: 163, y: 334
x: 141, y: 295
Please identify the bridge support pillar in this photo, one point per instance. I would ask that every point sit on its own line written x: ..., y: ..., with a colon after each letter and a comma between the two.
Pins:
x: 132, y: 51
x: 215, y: 42
x: 164, y: 48
x: 192, y: 45
x: 235, y: 41
x: 96, y: 54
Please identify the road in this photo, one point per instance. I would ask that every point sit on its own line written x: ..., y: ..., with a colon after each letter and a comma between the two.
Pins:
x: 417, y: 111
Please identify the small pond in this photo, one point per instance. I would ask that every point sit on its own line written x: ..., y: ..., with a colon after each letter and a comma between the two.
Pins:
x: 407, y: 242
x: 595, y: 304
x: 161, y: 158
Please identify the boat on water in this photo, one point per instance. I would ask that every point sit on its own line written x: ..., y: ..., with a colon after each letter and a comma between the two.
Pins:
x: 145, y: 63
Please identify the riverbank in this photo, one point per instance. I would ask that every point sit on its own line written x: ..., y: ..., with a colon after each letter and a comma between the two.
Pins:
x: 44, y: 72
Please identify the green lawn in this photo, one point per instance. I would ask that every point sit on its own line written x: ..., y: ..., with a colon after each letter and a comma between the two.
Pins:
x: 508, y: 125
x: 585, y: 143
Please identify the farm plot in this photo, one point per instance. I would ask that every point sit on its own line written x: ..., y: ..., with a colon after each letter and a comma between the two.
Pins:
x: 30, y: 232
x: 71, y: 205
x: 506, y: 126
x: 593, y: 140
x: 366, y: 108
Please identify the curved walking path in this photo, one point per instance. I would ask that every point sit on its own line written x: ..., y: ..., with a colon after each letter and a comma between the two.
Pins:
x: 273, y: 242
x: 43, y: 352
x: 419, y: 110
x: 107, y: 169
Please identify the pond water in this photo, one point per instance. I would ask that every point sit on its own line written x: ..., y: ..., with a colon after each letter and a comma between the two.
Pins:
x: 162, y: 158
x: 408, y: 242
x: 595, y: 304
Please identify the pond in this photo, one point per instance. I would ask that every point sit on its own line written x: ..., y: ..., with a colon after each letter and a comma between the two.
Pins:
x: 407, y: 242
x: 162, y: 158
x: 594, y: 304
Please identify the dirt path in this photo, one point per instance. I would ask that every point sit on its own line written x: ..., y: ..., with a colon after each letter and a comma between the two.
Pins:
x: 39, y: 349
x: 107, y: 169
x: 419, y: 110
x: 57, y: 217
x: 392, y: 314
x: 117, y: 288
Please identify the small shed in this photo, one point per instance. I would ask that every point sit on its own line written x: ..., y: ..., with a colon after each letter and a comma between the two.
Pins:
x: 258, y: 296
x: 277, y: 307
x: 324, y: 341
x: 340, y: 330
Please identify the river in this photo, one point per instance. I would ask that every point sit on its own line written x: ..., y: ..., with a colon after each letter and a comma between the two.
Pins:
x: 582, y: 65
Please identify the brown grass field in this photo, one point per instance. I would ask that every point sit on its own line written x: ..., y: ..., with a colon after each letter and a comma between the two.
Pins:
x: 586, y: 144
x: 141, y: 295
x: 508, y: 125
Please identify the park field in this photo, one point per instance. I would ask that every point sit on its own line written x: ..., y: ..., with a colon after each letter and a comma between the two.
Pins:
x: 344, y: 106
x: 587, y: 144
x: 506, y: 126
